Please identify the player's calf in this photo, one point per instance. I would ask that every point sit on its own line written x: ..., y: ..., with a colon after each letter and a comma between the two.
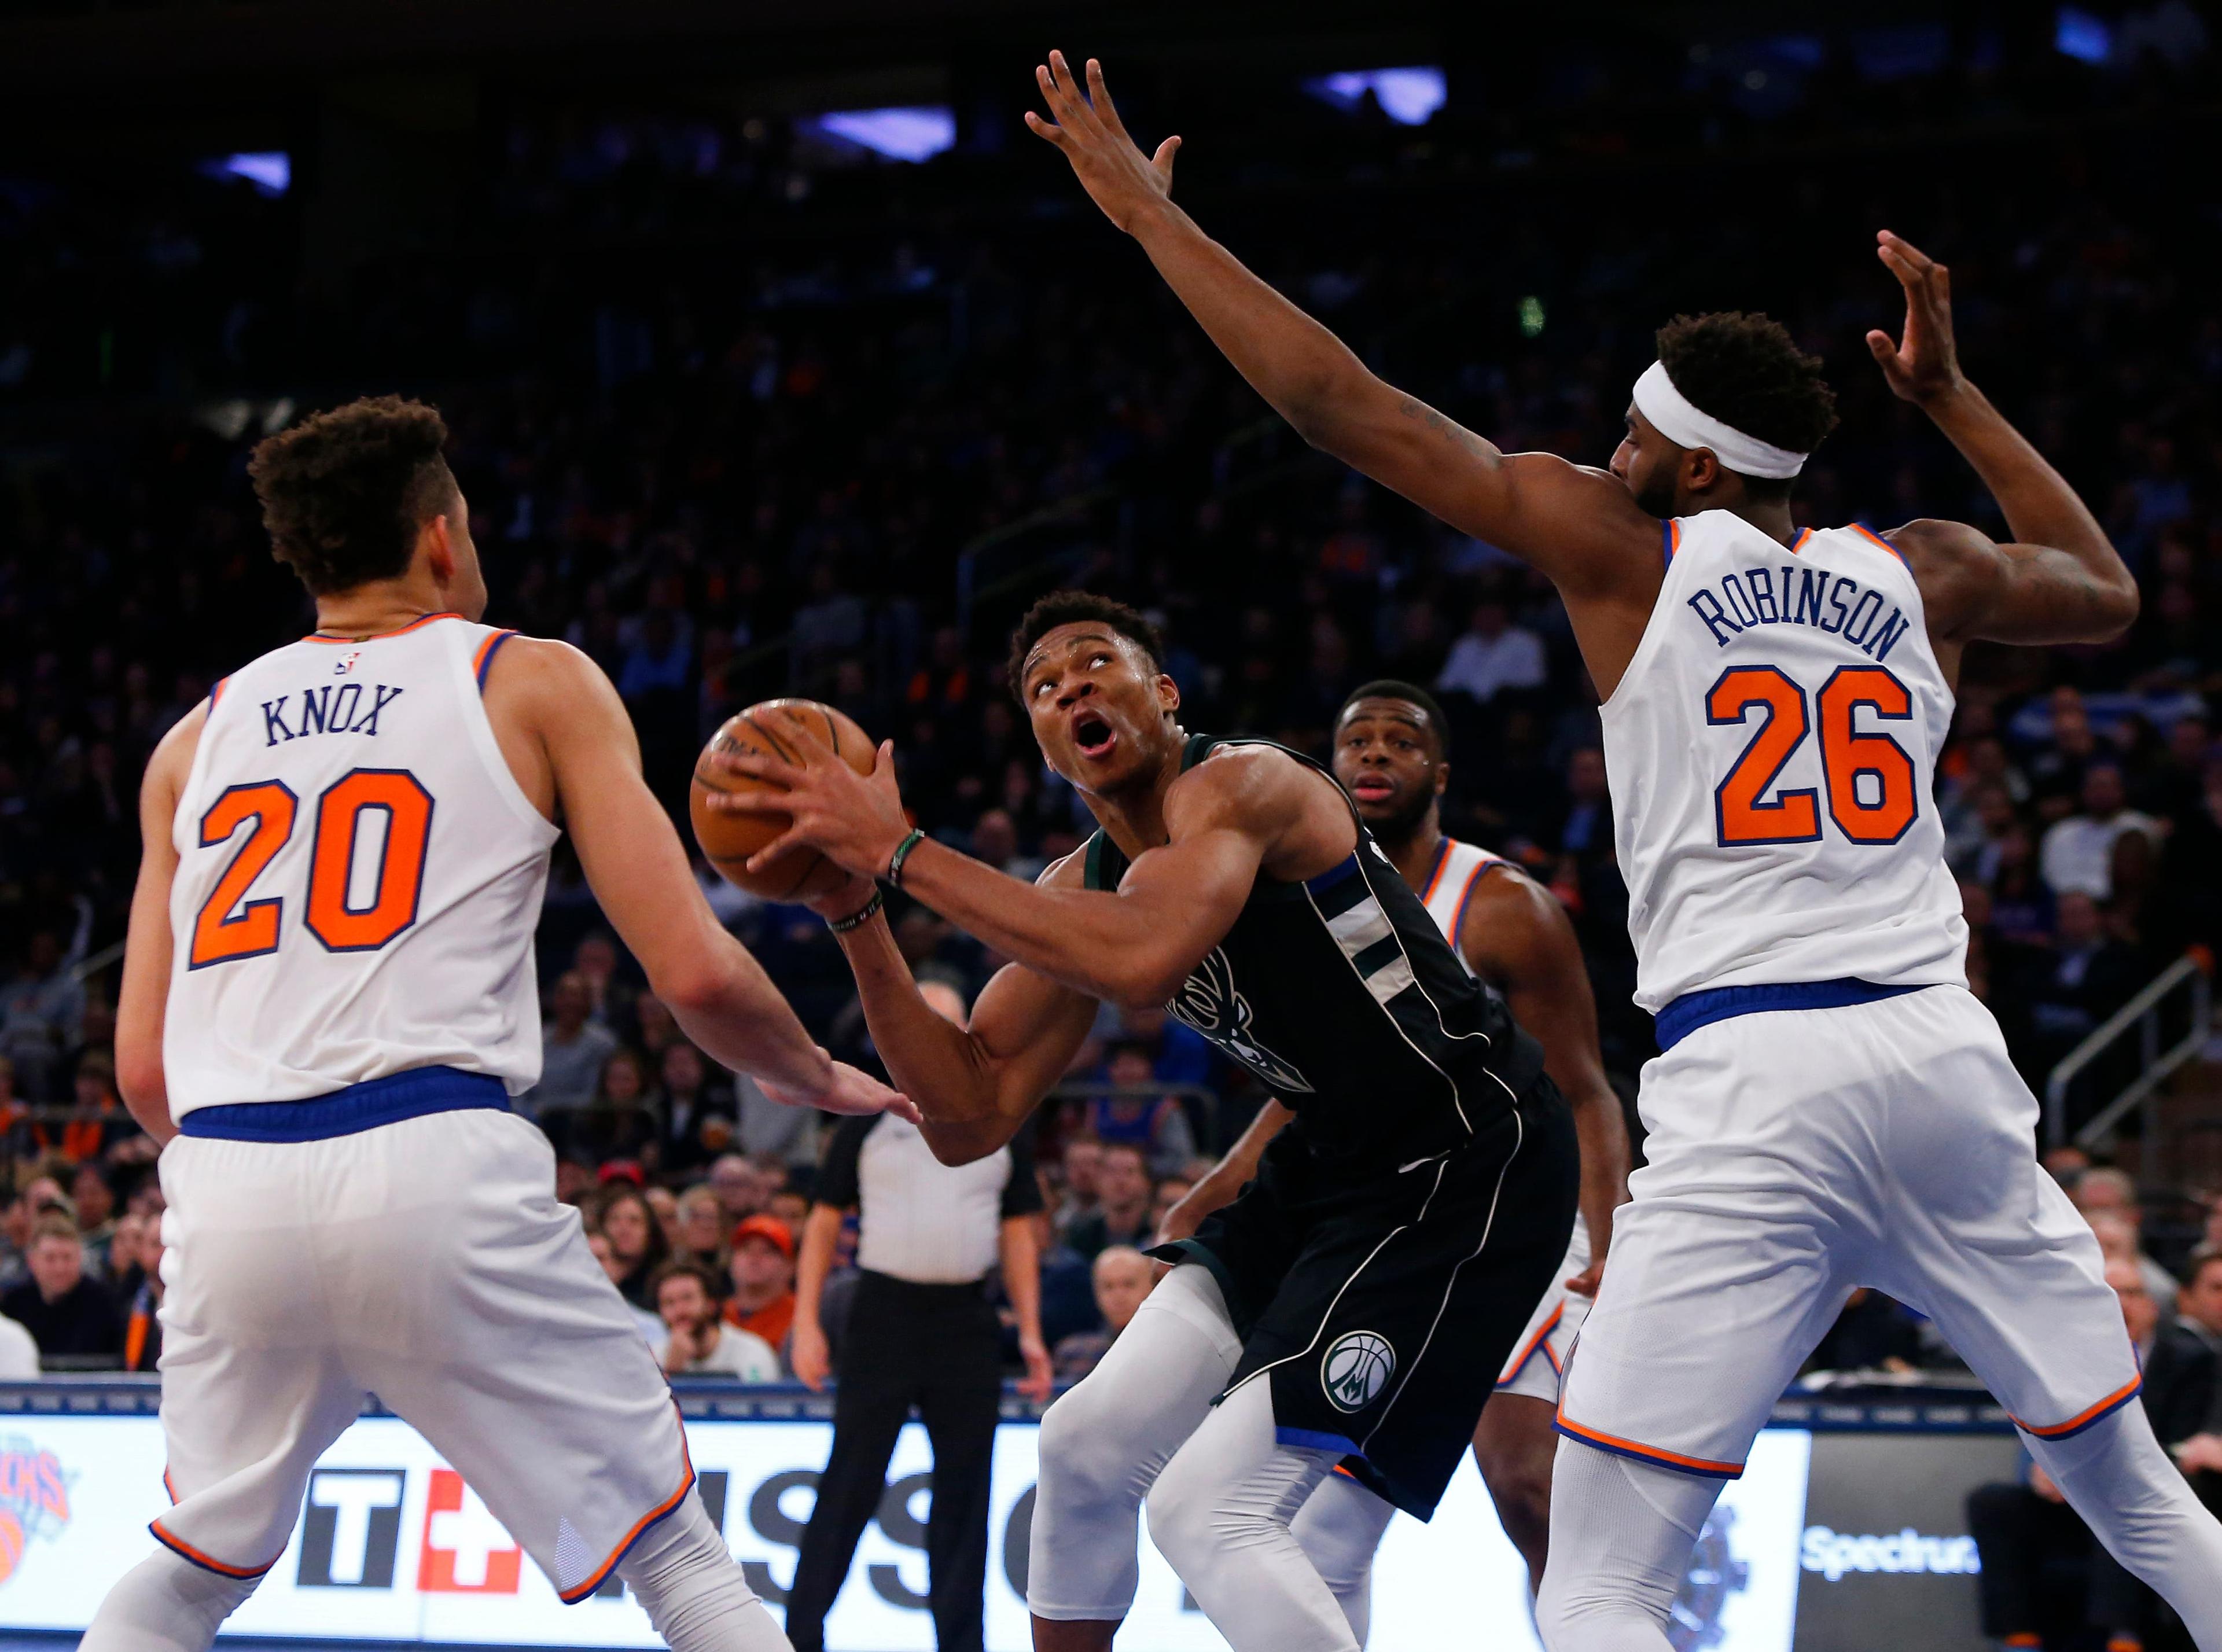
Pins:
x: 165, y: 1603
x: 693, y: 1589
x: 1514, y: 1447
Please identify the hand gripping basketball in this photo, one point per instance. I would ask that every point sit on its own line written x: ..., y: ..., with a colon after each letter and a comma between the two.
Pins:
x: 852, y: 816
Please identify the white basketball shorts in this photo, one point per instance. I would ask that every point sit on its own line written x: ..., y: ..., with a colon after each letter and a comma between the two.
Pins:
x: 1539, y: 1359
x: 426, y: 1261
x: 1796, y: 1154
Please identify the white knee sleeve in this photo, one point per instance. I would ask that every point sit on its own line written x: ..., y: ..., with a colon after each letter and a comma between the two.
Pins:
x: 692, y: 1587
x: 1340, y: 1527
x: 1221, y: 1513
x: 1103, y: 1444
x: 2136, y: 1500
x: 165, y: 1603
x: 1621, y: 1537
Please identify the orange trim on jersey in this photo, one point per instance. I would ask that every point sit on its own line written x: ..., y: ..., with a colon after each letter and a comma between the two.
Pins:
x: 1435, y: 872
x: 1867, y: 533
x: 1472, y: 883
x: 1648, y: 1453
x: 1540, y: 1339
x: 169, y: 1485
x: 318, y: 637
x: 484, y: 657
x: 186, y: 1551
x: 2090, y: 1414
x: 1799, y: 544
x: 572, y: 1597
x: 1674, y: 536
x: 216, y: 693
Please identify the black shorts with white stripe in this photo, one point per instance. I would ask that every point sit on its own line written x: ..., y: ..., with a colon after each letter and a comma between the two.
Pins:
x: 1382, y: 1309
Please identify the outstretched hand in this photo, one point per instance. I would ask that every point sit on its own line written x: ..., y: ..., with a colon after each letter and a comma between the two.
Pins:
x: 852, y: 1092
x: 1924, y: 367
x: 855, y: 820
x: 1111, y: 165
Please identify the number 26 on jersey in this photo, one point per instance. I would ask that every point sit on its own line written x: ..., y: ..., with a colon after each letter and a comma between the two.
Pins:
x: 1869, y: 778
x: 348, y: 906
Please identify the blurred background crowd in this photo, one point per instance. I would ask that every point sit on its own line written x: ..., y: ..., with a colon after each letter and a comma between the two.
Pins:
x: 748, y: 400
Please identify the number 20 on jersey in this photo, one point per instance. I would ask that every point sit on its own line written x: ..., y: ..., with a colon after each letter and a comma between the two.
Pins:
x: 1870, y: 779
x: 230, y: 927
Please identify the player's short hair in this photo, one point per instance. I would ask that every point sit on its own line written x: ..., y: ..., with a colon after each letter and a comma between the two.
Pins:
x: 1746, y: 370
x: 1411, y: 693
x: 1074, y: 607
x: 344, y: 492
x: 683, y: 1267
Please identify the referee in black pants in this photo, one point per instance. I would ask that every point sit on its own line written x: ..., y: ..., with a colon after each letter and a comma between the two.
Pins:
x: 921, y: 1333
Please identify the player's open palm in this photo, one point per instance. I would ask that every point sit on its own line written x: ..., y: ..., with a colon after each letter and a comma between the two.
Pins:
x: 1923, y: 365
x: 852, y: 1091
x: 1111, y: 165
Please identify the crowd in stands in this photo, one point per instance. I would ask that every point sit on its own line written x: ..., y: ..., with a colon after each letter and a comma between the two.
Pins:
x: 737, y: 419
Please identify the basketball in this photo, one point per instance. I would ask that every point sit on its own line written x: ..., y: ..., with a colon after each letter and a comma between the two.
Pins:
x: 728, y: 840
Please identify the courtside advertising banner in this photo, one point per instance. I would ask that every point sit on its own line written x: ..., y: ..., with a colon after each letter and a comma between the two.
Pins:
x: 393, y: 1546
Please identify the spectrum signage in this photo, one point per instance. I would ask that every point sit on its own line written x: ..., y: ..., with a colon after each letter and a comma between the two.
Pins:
x: 393, y: 1545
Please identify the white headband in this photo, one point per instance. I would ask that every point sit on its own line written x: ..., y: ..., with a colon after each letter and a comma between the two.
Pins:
x: 1686, y: 425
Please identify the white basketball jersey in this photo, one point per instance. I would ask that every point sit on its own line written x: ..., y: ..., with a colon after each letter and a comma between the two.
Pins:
x: 359, y: 876
x: 1771, y: 751
x: 1458, y: 867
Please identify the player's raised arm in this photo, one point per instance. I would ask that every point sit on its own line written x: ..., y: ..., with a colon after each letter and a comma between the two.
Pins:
x: 1577, y: 525
x: 975, y: 1085
x: 639, y: 872
x: 2063, y: 581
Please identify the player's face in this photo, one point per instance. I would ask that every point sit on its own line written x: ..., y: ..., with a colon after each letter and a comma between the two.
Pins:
x: 1388, y: 758
x: 1100, y: 710
x: 1648, y: 463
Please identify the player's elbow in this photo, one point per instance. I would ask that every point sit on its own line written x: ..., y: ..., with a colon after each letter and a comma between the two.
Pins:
x: 140, y: 1082
x: 957, y: 1145
x: 691, y: 987
x: 2118, y: 608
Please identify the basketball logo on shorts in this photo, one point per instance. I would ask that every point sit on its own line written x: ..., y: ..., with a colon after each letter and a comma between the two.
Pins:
x: 1356, y: 1370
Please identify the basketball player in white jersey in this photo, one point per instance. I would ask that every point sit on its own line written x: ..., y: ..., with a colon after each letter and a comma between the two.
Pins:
x: 328, y: 998
x: 1391, y: 756
x: 1832, y: 1107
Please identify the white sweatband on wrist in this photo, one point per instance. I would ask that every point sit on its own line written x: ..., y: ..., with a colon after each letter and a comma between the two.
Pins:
x: 1674, y: 417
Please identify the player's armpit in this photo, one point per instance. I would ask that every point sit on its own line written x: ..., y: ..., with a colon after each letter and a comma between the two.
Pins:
x: 1976, y: 589
x: 149, y: 944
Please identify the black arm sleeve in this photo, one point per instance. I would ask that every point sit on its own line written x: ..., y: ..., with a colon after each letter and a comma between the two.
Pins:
x: 837, y: 1172
x: 1022, y: 1193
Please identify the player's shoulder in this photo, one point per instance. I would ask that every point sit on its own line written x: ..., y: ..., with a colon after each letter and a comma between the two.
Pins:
x: 1243, y: 775
x: 1505, y: 902
x: 1067, y: 871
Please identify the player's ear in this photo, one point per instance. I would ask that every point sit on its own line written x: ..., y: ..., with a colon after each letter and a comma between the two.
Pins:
x: 437, y: 547
x: 1701, y: 471
x: 1168, y: 693
x: 1442, y: 778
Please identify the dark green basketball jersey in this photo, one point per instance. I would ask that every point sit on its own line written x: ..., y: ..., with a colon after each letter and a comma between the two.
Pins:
x: 1341, y: 996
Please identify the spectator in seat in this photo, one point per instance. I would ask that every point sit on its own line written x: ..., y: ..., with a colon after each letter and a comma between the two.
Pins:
x: 1493, y: 655
x: 2084, y: 979
x: 695, y: 1343
x: 39, y: 1011
x: 702, y: 1230
x: 19, y: 1221
x: 1123, y: 1218
x: 65, y: 1312
x: 739, y: 1190
x: 572, y: 1050
x: 2079, y: 851
x: 644, y: 1320
x: 2045, y: 1581
x: 763, y: 1273
x: 1122, y: 1277
x: 1083, y: 1164
x: 624, y: 1216
x: 2198, y: 1301
x: 93, y: 1192
x: 141, y: 1237
x: 96, y: 1118
x: 1156, y: 1124
x: 690, y: 1103
x: 1872, y: 1333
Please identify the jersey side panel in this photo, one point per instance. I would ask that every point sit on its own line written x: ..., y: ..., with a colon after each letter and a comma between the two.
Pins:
x: 358, y: 879
x: 1772, y: 752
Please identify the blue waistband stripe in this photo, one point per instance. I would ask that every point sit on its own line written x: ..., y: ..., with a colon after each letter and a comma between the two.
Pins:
x: 347, y: 1112
x: 1695, y: 1010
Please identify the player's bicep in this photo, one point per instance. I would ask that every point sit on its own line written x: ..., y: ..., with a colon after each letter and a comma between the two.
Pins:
x: 1027, y: 1029
x: 1975, y: 589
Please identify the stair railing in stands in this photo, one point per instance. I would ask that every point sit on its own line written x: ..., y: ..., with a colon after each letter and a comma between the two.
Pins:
x: 2141, y: 1015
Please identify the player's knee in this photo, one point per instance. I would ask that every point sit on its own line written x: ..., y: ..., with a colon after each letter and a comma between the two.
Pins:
x: 1180, y: 1506
x: 1523, y: 1496
x: 1081, y: 1462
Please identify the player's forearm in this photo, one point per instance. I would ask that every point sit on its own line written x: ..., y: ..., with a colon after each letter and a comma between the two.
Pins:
x: 2040, y: 507
x: 937, y: 1064
x: 1294, y: 363
x: 1237, y: 1168
x: 1602, y: 1130
x: 729, y: 1006
x: 1102, y: 945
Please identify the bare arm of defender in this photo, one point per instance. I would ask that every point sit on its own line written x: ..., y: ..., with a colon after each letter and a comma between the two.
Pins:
x: 975, y: 1085
x: 1224, y: 1182
x: 1516, y: 935
x: 2063, y: 581
x: 147, y: 944
x: 1580, y: 526
x: 573, y: 750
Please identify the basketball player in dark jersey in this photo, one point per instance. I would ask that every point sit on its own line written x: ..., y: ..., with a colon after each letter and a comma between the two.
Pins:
x: 1391, y: 755
x: 1356, y: 1304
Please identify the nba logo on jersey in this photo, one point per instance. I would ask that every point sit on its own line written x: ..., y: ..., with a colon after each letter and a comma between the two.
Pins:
x: 1357, y: 1368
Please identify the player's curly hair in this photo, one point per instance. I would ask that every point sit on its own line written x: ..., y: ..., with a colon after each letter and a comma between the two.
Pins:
x: 1746, y: 370
x: 1073, y: 607
x: 344, y: 492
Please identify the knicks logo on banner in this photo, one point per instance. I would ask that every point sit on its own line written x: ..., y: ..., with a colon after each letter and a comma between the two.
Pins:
x: 466, y: 1550
x: 33, y: 1499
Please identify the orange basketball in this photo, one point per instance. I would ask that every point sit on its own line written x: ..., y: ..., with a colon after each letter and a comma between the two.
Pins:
x: 729, y: 840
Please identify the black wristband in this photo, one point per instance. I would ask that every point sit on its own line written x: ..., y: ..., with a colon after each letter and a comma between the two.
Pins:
x: 859, y: 918
x: 892, y: 876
